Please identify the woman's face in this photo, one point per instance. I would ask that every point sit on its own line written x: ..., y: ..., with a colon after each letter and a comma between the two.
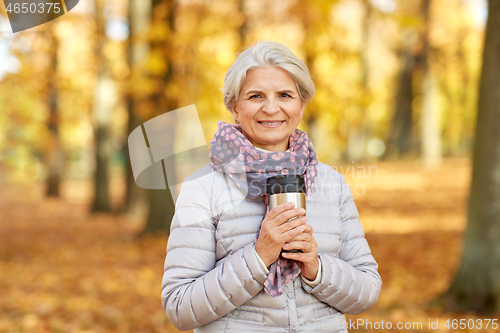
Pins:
x: 269, y: 108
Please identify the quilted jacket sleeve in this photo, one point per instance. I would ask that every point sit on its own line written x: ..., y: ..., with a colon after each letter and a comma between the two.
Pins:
x: 349, y: 283
x: 194, y: 291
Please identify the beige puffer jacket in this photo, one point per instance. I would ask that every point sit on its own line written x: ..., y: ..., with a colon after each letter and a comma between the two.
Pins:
x: 213, y: 281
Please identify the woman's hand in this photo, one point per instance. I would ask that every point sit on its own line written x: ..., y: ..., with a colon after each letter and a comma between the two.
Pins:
x: 276, y: 230
x: 308, y: 259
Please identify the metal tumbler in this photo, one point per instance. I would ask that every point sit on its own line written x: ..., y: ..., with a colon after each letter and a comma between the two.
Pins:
x: 286, y: 188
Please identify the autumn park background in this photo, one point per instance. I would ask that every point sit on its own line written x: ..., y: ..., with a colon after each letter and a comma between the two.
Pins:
x: 407, y: 106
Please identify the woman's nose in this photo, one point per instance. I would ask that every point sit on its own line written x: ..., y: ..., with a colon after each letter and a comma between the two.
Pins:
x: 271, y: 106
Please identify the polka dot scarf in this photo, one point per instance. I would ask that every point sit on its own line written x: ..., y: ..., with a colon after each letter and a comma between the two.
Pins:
x: 232, y: 153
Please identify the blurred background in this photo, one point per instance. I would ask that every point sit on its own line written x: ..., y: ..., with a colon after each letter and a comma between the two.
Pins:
x: 397, y: 89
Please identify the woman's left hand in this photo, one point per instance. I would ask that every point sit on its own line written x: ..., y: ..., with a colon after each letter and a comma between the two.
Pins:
x: 308, y: 259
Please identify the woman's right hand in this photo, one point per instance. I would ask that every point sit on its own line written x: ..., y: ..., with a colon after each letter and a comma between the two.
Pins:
x: 276, y: 230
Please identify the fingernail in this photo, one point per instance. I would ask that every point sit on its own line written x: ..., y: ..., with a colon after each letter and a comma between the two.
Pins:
x: 302, y: 211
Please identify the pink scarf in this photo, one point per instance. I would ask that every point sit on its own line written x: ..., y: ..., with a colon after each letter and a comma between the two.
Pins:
x: 233, y: 154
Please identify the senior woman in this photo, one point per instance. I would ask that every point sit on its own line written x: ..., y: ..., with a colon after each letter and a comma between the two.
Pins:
x: 225, y: 270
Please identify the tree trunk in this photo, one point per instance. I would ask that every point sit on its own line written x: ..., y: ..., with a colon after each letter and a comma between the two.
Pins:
x: 161, y: 205
x: 400, y: 139
x: 138, y: 52
x: 104, y: 98
x: 54, y: 153
x: 160, y: 213
x: 135, y: 197
x: 101, y: 193
x: 477, y: 284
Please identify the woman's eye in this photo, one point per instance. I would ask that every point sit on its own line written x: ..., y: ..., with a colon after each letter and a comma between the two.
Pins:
x: 285, y: 95
x: 254, y: 96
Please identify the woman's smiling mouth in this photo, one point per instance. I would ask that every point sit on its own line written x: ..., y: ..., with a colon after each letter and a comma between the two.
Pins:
x: 271, y: 124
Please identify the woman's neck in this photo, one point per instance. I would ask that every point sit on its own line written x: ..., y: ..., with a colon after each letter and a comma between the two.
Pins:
x: 269, y: 151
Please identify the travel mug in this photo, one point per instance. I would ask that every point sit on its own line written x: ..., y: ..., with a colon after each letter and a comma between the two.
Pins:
x: 286, y: 188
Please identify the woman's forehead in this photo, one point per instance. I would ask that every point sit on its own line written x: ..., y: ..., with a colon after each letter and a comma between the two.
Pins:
x: 270, y: 78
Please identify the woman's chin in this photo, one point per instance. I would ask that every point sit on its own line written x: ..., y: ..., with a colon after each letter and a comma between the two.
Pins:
x: 273, y: 138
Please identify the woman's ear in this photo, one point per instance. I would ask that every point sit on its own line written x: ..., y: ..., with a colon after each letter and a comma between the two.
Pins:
x: 302, y: 111
x: 236, y: 114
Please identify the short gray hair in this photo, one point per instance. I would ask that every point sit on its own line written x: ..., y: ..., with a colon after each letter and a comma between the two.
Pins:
x: 262, y: 55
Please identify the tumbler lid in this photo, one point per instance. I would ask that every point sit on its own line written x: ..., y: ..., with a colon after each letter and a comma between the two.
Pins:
x: 286, y: 184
